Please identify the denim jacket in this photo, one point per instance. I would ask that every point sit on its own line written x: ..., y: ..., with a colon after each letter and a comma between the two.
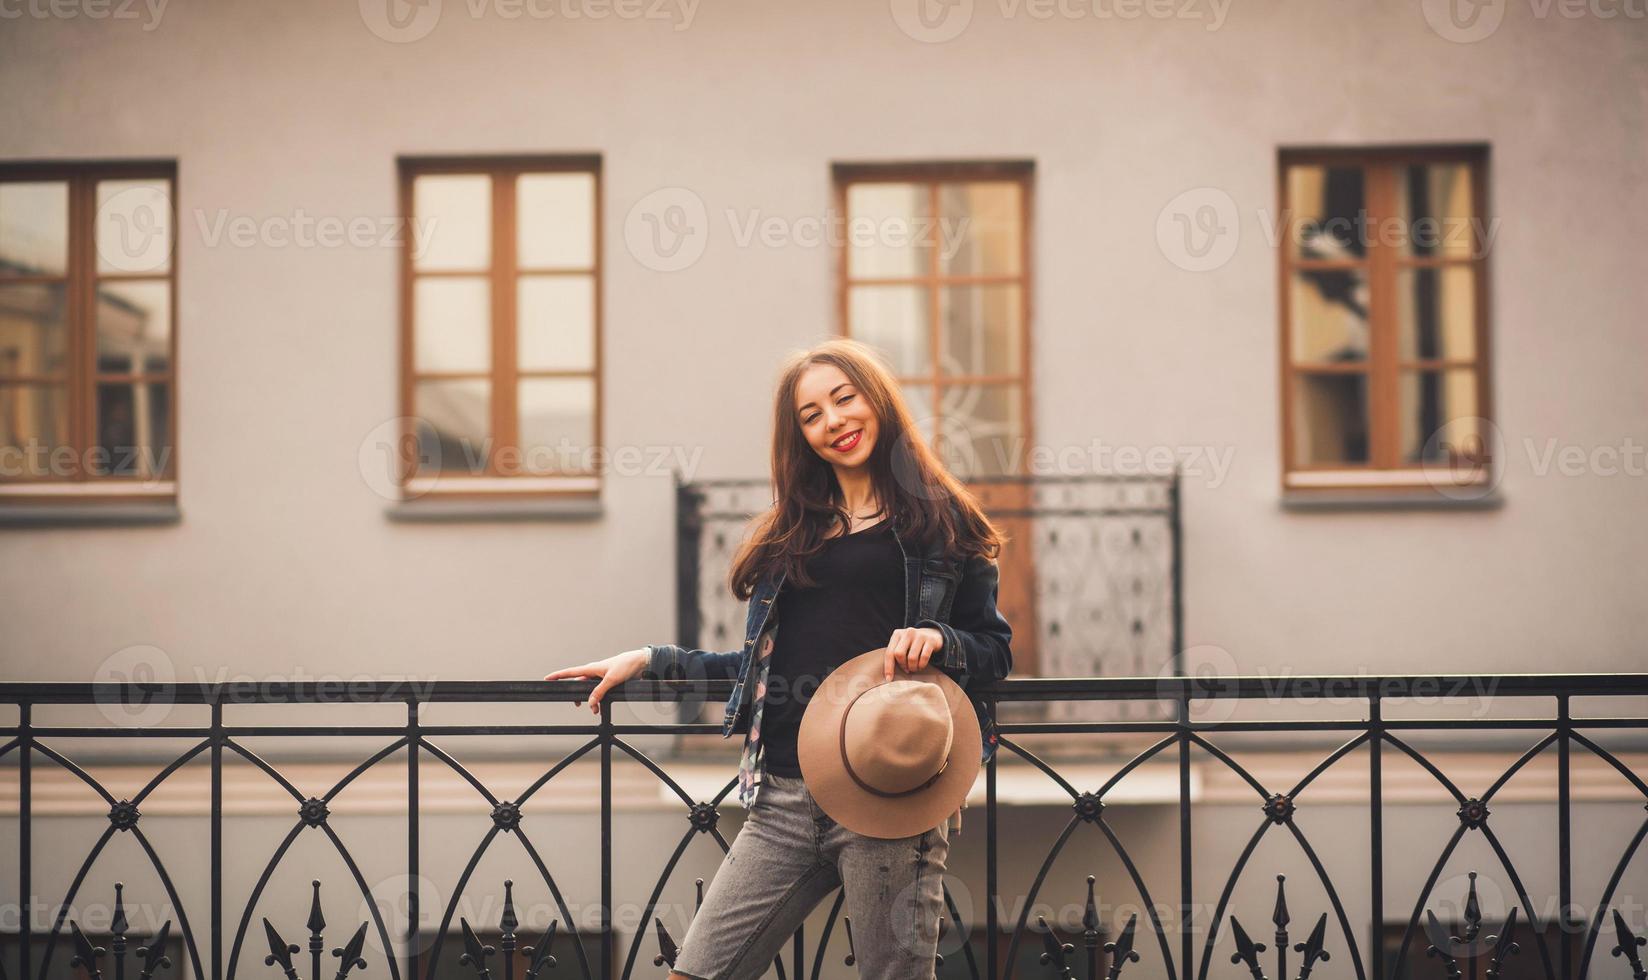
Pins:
x: 954, y: 597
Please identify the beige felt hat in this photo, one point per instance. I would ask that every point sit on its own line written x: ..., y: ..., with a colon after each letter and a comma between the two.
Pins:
x: 888, y: 758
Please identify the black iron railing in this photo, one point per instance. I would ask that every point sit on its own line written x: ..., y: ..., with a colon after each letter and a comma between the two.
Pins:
x: 220, y: 941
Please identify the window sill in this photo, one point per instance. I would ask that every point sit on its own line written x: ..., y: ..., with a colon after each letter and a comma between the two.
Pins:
x: 433, y: 511
x: 1374, y: 498
x: 89, y: 514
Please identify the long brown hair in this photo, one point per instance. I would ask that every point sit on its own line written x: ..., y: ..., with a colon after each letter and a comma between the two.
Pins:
x: 913, y: 486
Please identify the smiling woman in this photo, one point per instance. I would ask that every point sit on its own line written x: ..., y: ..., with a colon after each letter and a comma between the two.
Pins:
x: 872, y: 554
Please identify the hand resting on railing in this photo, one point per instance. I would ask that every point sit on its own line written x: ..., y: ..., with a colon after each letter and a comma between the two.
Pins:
x: 611, y: 672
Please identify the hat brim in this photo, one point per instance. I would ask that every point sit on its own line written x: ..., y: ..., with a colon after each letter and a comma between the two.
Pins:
x: 818, y: 750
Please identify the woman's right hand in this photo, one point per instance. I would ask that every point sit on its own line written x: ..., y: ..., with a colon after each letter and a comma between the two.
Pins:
x: 614, y: 670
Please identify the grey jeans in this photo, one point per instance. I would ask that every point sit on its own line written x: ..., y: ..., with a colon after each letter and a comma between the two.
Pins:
x: 787, y: 857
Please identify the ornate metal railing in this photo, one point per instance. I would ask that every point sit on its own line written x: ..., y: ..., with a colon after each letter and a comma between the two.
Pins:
x: 1091, y: 579
x: 1195, y: 941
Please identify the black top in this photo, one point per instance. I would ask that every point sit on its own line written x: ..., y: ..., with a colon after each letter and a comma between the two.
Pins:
x: 858, y: 602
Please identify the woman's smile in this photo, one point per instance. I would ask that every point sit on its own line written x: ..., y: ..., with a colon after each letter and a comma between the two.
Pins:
x: 846, y: 443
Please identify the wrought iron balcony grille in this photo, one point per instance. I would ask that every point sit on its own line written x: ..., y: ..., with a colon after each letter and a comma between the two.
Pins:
x: 1091, y: 580
x: 1178, y: 931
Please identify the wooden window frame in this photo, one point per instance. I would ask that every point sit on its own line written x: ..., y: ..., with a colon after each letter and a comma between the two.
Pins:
x: 81, y: 377
x: 504, y: 373
x: 1007, y: 499
x: 934, y: 174
x: 1381, y: 165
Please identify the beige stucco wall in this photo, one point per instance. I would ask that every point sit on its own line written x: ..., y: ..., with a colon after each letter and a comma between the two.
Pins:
x: 284, y: 558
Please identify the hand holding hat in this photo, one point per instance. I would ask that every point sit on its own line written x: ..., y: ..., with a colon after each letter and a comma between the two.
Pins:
x: 888, y: 758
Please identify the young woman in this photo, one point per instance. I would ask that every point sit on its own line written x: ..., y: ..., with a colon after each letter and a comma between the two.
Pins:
x: 870, y: 543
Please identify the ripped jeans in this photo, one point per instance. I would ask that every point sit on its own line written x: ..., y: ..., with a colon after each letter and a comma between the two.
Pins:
x: 789, y: 856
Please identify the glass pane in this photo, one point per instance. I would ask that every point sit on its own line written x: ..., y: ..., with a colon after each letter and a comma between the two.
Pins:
x: 453, y: 425
x: 894, y: 320
x: 34, y: 424
x: 1330, y: 419
x: 1436, y: 313
x: 1436, y: 210
x: 454, y: 220
x: 919, y: 399
x: 981, y: 430
x: 134, y: 322
x: 1429, y: 400
x: 557, y: 323
x: 131, y: 430
x: 978, y: 228
x: 1329, y: 310
x: 452, y: 324
x: 555, y: 226
x: 980, y: 329
x: 1326, y: 209
x: 134, y: 226
x: 883, y: 222
x: 34, y: 228
x: 557, y: 424
x: 34, y: 334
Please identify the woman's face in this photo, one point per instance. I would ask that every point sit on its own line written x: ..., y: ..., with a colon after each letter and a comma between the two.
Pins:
x: 835, y: 417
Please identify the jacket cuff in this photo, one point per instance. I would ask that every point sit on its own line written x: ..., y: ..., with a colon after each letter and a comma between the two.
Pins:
x: 952, y: 657
x: 658, y: 664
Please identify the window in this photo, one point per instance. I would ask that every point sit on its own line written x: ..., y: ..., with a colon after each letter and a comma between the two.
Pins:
x: 1384, y: 317
x: 88, y: 288
x: 935, y: 273
x: 501, y: 307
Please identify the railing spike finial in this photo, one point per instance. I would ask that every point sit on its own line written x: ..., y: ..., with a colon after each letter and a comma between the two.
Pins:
x: 350, y: 954
x: 1628, y: 943
x: 86, y: 955
x: 938, y: 957
x: 1279, y: 916
x: 475, y: 952
x: 667, y: 950
x: 507, y: 924
x: 1090, y: 915
x: 1312, y: 947
x: 1503, y: 945
x: 1441, y: 944
x: 1247, y: 951
x: 1057, y: 952
x: 1473, y: 912
x: 1121, y: 951
x: 852, y: 951
x: 154, y: 955
x: 317, y: 920
x: 118, y: 924
x: 280, y: 951
x: 698, y: 884
x: 538, y: 956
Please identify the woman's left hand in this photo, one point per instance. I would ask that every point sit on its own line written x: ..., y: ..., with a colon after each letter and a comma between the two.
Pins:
x: 911, y: 648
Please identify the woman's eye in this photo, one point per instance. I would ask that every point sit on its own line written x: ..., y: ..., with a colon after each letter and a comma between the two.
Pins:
x: 846, y: 399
